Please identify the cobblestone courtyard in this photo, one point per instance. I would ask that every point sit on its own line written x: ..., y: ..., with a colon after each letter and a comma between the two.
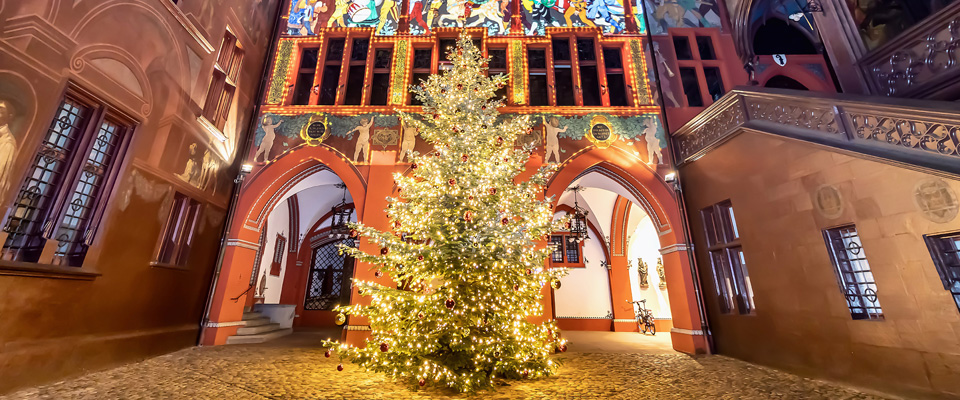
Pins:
x: 294, y: 368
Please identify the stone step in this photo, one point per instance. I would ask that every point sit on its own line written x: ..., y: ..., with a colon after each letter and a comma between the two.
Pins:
x: 257, y: 322
x: 259, y: 338
x: 251, y: 315
x: 254, y: 330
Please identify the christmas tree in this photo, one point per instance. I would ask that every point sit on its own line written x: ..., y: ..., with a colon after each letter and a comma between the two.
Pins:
x: 467, y: 252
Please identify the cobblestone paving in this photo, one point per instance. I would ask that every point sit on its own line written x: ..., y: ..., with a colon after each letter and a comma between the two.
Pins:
x: 285, y: 372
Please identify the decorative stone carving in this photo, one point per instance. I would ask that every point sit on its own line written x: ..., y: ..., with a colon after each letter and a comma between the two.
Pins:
x: 828, y: 201
x: 936, y: 200
x: 642, y: 273
x: 919, y: 57
x: 661, y: 273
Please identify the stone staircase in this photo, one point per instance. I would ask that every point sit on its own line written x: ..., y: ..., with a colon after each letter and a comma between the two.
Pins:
x: 257, y: 329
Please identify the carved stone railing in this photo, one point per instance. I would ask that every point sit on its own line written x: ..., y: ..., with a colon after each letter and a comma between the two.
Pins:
x: 924, y: 134
x: 921, y: 62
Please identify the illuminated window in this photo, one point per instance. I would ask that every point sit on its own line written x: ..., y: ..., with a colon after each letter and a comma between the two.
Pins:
x: 223, y: 86
x: 730, y: 276
x: 567, y: 249
x: 853, y: 272
x: 305, y: 76
x: 278, y: 246
x: 330, y: 80
x: 64, y: 193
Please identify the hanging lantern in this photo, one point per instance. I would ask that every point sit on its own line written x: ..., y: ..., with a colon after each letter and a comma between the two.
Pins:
x: 578, y: 221
x: 340, y: 216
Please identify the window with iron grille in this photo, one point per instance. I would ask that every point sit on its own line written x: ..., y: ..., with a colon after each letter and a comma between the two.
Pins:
x: 567, y: 250
x: 731, y: 278
x: 63, y: 194
x: 223, y: 85
x: 945, y: 250
x: 853, y: 272
x: 328, y: 283
x: 178, y: 232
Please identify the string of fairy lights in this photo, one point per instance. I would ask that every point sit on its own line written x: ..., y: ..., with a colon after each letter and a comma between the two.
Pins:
x: 466, y: 256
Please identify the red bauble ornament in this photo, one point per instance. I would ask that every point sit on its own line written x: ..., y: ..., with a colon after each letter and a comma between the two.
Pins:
x: 493, y: 190
x: 469, y: 197
x: 468, y: 216
x: 353, y: 233
x: 464, y: 158
x: 529, y: 271
x: 414, y: 166
x: 442, y: 91
x: 516, y: 287
x: 384, y: 251
x: 436, y: 116
x: 420, y: 315
x: 396, y: 224
x: 378, y: 274
x: 420, y: 257
x: 327, y: 353
x: 422, y: 382
x: 476, y: 90
x: 499, y: 140
x: 504, y: 221
x: 459, y: 86
x: 563, y: 348
x: 483, y: 108
x: 525, y: 374
x: 384, y: 347
x: 452, y: 182
x: 339, y: 367
x: 568, y: 225
x: 450, y: 303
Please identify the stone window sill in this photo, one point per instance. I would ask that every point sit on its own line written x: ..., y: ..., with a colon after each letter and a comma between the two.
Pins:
x: 50, y: 271
x: 188, y: 26
x: 158, y: 264
x: 211, y: 128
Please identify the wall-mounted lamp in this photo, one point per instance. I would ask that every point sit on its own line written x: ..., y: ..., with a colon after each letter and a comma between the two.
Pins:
x: 670, y: 177
x: 246, y: 168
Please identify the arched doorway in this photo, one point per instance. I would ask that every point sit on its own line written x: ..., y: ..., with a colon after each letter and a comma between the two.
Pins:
x: 633, y: 184
x: 292, y: 193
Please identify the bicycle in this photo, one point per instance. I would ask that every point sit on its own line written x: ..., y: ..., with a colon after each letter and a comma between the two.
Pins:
x: 644, y: 318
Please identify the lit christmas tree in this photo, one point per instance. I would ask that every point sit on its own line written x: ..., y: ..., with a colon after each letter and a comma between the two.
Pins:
x: 467, y: 252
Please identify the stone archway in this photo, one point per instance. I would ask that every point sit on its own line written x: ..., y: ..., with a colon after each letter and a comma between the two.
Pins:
x: 636, y: 183
x: 259, y: 194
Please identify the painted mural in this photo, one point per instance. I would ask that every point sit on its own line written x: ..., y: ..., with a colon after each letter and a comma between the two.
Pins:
x: 557, y: 137
x: 783, y: 9
x: 541, y: 14
x: 882, y: 20
x: 664, y: 14
x: 8, y: 142
x: 307, y: 17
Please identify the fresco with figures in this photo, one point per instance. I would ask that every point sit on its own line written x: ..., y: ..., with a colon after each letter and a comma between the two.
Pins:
x: 307, y: 17
x: 557, y: 138
x: 665, y: 14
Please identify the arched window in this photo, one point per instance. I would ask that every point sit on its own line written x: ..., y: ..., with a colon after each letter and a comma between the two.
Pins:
x: 776, y: 36
x: 329, y: 280
x: 784, y: 82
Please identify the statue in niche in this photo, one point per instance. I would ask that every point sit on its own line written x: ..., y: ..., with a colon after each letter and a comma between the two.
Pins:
x: 661, y: 273
x: 363, y: 139
x: 653, y: 142
x: 642, y: 272
x: 553, y: 137
x: 408, y: 142
x: 8, y: 144
x: 267, y: 143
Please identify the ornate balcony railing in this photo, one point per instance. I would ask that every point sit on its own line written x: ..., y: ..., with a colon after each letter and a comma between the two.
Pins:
x: 918, y: 133
x: 921, y: 62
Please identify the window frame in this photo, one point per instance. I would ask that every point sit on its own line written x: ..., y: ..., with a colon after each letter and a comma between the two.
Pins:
x: 225, y: 79
x: 731, y: 277
x: 841, y: 274
x: 935, y: 244
x: 181, y: 251
x: 566, y: 263
x: 48, y: 221
x: 279, y: 244
x: 698, y: 64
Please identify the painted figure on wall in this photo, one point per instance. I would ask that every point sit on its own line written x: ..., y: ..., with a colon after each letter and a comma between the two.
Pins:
x: 8, y: 144
x: 664, y: 14
x: 408, y: 142
x: 267, y: 143
x: 191, y: 171
x: 363, y: 139
x: 340, y: 9
x: 609, y: 11
x: 388, y: 12
x: 578, y: 8
x: 665, y: 85
x: 653, y: 142
x: 553, y: 137
x: 539, y: 15
x: 199, y: 171
x: 489, y: 12
x: 300, y: 21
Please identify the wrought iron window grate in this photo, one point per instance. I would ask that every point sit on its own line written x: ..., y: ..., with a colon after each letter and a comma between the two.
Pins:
x: 945, y: 250
x: 330, y: 273
x: 853, y: 272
